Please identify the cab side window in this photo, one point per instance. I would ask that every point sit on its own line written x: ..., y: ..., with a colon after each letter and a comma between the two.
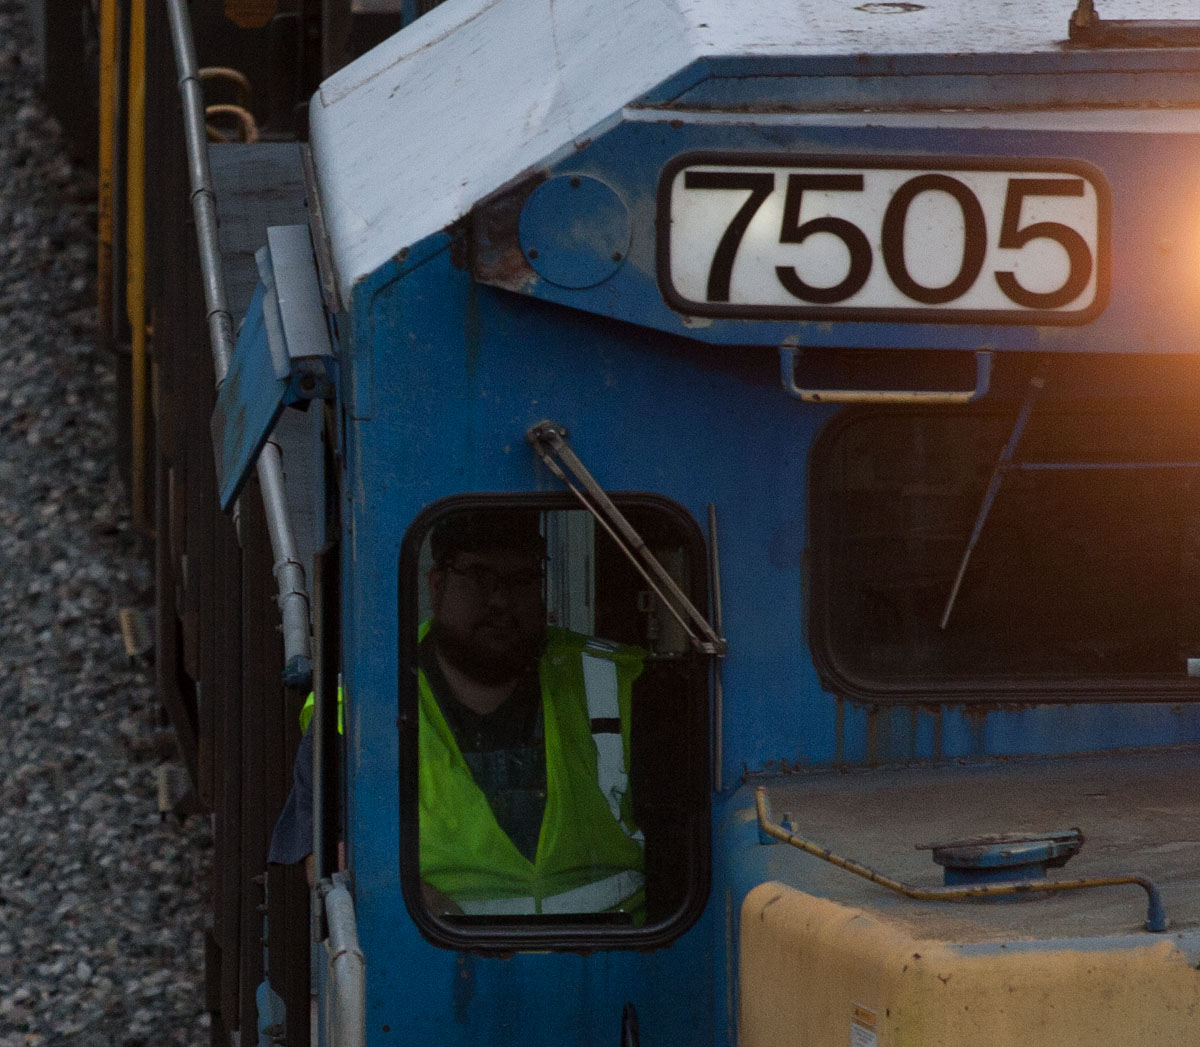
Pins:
x: 559, y: 775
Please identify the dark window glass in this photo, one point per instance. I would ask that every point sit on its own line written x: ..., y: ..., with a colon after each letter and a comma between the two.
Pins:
x: 1084, y: 578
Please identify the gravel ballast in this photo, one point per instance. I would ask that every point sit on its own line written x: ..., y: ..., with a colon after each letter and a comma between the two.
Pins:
x: 102, y: 901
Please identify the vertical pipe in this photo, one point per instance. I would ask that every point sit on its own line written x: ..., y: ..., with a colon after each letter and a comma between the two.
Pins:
x: 324, y: 725
x: 289, y: 572
x: 347, y: 967
x: 106, y: 165
x: 135, y: 239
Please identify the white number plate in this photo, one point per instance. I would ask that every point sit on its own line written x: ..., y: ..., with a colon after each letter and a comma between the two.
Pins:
x: 965, y: 240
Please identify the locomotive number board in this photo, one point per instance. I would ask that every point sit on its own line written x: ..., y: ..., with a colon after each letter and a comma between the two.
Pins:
x: 1008, y: 240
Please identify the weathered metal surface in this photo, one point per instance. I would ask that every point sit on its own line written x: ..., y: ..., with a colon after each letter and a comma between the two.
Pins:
x: 575, y: 231
x: 1130, y: 807
x: 258, y: 186
x: 968, y: 882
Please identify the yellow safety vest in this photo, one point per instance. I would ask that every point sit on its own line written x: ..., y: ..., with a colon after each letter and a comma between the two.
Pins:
x: 309, y: 707
x: 590, y: 854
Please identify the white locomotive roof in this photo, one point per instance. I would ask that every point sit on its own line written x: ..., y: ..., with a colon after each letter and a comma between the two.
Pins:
x: 411, y: 135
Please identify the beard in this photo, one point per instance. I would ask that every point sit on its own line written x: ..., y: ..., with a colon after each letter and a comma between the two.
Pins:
x: 492, y: 651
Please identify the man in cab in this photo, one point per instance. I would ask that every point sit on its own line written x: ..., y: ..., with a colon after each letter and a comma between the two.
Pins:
x: 524, y: 802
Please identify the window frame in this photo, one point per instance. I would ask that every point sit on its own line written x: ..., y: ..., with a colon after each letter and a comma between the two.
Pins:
x: 577, y: 932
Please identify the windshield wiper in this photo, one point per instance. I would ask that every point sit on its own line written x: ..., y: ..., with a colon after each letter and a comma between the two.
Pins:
x: 549, y: 441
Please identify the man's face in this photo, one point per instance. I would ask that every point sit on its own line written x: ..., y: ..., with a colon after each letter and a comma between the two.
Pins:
x: 488, y: 612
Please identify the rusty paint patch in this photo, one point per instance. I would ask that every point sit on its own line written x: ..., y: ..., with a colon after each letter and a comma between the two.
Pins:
x: 496, y: 257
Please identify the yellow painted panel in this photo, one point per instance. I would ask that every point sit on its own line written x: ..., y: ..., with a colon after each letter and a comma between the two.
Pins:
x: 818, y: 974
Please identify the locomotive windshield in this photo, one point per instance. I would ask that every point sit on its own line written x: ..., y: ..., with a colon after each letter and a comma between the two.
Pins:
x: 562, y: 749
x: 1082, y: 577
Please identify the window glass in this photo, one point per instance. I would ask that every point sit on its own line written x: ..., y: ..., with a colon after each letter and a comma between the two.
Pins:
x: 561, y: 756
x: 1084, y: 576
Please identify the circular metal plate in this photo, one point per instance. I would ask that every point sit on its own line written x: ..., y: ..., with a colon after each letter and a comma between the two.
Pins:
x: 574, y: 231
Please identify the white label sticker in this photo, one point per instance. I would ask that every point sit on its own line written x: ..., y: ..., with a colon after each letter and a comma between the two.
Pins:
x: 862, y: 1027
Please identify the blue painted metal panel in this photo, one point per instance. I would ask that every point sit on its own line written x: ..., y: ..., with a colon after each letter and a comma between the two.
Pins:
x: 1157, y: 309
x: 248, y: 403
x: 1001, y: 88
x: 485, y: 394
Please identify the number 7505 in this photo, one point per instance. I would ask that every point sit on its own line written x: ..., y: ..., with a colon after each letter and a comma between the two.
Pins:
x: 1011, y: 197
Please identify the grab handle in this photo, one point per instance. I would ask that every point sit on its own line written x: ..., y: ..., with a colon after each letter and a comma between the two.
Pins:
x: 787, y: 372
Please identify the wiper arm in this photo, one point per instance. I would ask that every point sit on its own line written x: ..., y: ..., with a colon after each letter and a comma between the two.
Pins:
x: 549, y: 441
x: 1003, y: 464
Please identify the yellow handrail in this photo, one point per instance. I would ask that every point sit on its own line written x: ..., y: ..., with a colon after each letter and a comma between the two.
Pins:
x: 245, y: 121
x: 135, y: 246
x: 106, y: 167
x: 234, y: 76
x: 1156, y: 916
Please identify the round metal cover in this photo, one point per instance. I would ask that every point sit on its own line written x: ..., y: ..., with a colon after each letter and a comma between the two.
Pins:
x: 1005, y: 855
x: 574, y: 231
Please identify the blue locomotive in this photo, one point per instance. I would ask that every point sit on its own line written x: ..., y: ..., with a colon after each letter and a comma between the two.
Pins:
x: 803, y: 391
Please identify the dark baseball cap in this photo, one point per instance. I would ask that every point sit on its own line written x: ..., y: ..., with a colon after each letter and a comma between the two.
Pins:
x: 477, y: 530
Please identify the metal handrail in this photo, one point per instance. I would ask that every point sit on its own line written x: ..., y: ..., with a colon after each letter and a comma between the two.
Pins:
x: 294, y: 604
x: 243, y: 116
x: 1156, y: 915
x: 347, y: 1015
x: 788, y: 355
x: 232, y: 76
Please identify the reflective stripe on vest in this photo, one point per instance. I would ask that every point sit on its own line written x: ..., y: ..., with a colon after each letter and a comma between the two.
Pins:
x: 592, y: 897
x: 604, y: 711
